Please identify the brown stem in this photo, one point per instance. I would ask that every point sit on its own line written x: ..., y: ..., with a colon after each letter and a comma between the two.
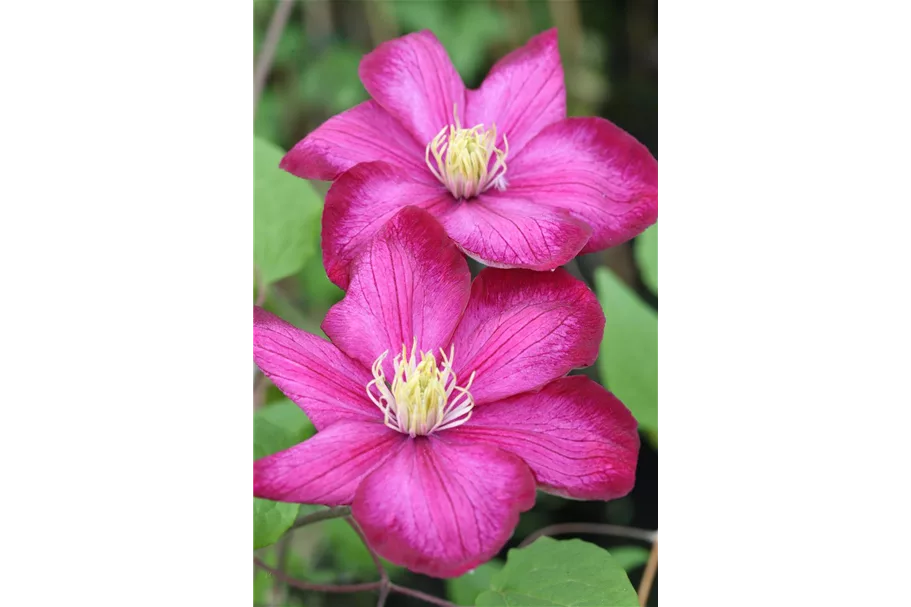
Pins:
x: 345, y: 588
x: 594, y: 529
x: 315, y: 587
x: 384, y: 585
x: 262, y: 289
x: 322, y: 515
x: 648, y: 576
x: 429, y: 598
x: 280, y: 590
x: 384, y: 577
x: 267, y: 51
x: 260, y: 386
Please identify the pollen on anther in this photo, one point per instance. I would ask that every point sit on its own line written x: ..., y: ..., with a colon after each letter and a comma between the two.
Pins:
x: 467, y: 161
x: 424, y: 395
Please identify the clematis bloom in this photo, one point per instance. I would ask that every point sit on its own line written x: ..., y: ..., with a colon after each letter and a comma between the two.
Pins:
x: 514, y: 182
x: 441, y: 404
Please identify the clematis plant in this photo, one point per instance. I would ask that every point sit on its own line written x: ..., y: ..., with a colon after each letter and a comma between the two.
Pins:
x: 441, y: 403
x: 515, y: 183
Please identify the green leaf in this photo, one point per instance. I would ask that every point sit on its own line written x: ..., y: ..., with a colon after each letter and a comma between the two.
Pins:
x: 284, y: 208
x: 628, y: 361
x: 646, y: 252
x: 275, y: 428
x: 554, y: 573
x: 271, y: 520
x: 629, y: 557
x: 465, y: 589
x: 295, y: 426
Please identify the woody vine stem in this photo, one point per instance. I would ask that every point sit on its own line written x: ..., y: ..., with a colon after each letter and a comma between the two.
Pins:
x: 385, y: 586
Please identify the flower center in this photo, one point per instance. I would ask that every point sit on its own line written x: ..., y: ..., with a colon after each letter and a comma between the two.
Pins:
x: 423, y: 398
x: 467, y: 160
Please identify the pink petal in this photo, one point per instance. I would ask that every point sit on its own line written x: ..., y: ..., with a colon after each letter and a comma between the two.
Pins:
x: 577, y: 438
x: 361, y: 201
x: 594, y: 170
x: 313, y: 373
x: 442, y: 509
x: 410, y: 282
x: 364, y: 133
x: 524, y: 329
x: 413, y: 78
x: 523, y: 93
x: 327, y: 468
x: 504, y: 230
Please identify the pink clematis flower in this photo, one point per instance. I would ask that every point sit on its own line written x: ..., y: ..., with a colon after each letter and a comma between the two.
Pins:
x: 514, y: 182
x: 441, y: 404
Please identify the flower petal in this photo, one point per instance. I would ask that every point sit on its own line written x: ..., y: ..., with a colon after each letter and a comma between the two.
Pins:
x: 577, y: 438
x: 364, y: 133
x: 313, y: 373
x: 410, y: 282
x: 327, y: 468
x: 503, y: 230
x: 594, y: 170
x: 523, y: 93
x: 413, y: 78
x: 522, y: 329
x: 361, y: 201
x: 443, y: 509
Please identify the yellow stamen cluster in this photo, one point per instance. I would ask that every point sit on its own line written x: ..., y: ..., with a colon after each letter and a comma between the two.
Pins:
x: 423, y: 397
x: 463, y: 159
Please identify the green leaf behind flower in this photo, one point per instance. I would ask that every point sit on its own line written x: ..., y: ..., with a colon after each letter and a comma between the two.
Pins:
x: 646, y: 252
x: 276, y: 427
x: 464, y: 589
x: 284, y: 208
x: 628, y: 361
x: 555, y: 573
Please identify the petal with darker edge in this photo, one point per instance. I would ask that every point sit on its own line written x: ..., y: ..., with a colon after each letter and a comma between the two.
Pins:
x: 414, y: 80
x: 361, y: 201
x: 443, y: 509
x: 365, y: 133
x: 523, y: 329
x: 410, y: 282
x: 522, y: 94
x: 312, y: 372
x: 504, y: 230
x: 578, y: 439
x: 327, y: 468
x: 595, y: 171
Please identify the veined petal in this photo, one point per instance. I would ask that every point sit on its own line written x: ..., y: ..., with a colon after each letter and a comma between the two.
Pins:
x: 523, y: 93
x: 504, y: 230
x: 577, y: 438
x: 327, y: 468
x: 442, y: 509
x: 594, y: 170
x: 362, y: 200
x: 410, y: 282
x: 523, y: 329
x: 325, y: 383
x: 413, y: 78
x: 365, y: 133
